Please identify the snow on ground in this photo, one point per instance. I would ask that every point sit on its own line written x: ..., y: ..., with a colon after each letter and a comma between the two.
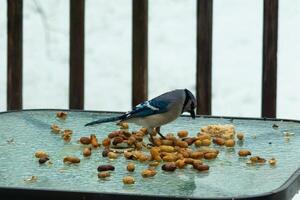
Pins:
x: 237, y: 50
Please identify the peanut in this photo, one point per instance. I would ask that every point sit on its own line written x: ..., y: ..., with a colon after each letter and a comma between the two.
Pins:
x: 210, y: 155
x: 182, y: 134
x: 229, y: 143
x: 105, y: 168
x: 71, y: 159
x: 103, y: 174
x: 87, y: 152
x: 171, y: 166
x: 148, y: 173
x: 130, y: 167
x: 106, y: 142
x: 128, y: 180
x: 85, y: 140
x: 244, y: 152
x: 40, y: 154
x: 240, y: 136
x: 219, y: 141
x: 61, y: 115
x: 94, y: 141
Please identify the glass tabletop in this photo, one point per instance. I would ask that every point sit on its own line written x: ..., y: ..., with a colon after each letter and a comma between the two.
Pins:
x: 23, y: 133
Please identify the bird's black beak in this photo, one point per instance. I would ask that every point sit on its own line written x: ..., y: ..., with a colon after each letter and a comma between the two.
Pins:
x: 193, y: 115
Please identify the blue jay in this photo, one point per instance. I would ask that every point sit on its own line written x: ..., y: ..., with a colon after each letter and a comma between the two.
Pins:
x: 154, y: 113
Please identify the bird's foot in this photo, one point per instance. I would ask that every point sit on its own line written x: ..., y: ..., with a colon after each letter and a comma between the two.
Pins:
x: 151, y: 140
x: 163, y: 137
x: 157, y: 129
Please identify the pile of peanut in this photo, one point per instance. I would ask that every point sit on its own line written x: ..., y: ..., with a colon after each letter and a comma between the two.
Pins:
x: 171, y: 153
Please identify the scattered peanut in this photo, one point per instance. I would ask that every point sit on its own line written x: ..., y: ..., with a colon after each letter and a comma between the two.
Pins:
x: 123, y: 125
x: 105, y: 168
x: 229, y: 143
x: 155, y: 153
x: 272, y: 161
x: 219, y: 141
x: 257, y: 159
x: 167, y: 142
x: 128, y: 180
x: 180, y: 164
x: 197, y: 155
x: 94, y: 141
x: 171, y: 166
x: 143, y: 158
x: 106, y: 142
x: 165, y: 148
x: 169, y: 158
x: 200, y: 167
x: 198, y: 143
x: 181, y: 144
x: 240, y: 136
x: 130, y: 167
x: 103, y: 174
x: 71, y: 159
x: 182, y: 134
x: 55, y: 128
x: 244, y: 152
x: 61, y: 115
x: 67, y: 134
x: 210, y: 155
x: 206, y: 142
x: 112, y: 155
x: 40, y: 154
x: 117, y: 140
x: 85, y: 140
x: 148, y: 173
x: 87, y: 152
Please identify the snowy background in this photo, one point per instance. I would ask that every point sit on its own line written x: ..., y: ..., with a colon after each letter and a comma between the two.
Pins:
x: 237, y: 50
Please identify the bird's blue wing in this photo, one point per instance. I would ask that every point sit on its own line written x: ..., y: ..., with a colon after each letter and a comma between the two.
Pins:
x: 148, y: 108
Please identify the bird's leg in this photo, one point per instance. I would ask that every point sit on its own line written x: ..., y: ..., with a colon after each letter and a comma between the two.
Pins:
x: 151, y: 144
x: 151, y: 137
x: 158, y: 131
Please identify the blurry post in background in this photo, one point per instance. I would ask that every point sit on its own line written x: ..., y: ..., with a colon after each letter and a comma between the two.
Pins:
x: 204, y: 56
x: 14, y: 54
x: 269, y: 79
x: 76, y: 87
x: 139, y: 51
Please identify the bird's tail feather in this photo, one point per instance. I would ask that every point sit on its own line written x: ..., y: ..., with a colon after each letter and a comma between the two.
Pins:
x: 110, y: 119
